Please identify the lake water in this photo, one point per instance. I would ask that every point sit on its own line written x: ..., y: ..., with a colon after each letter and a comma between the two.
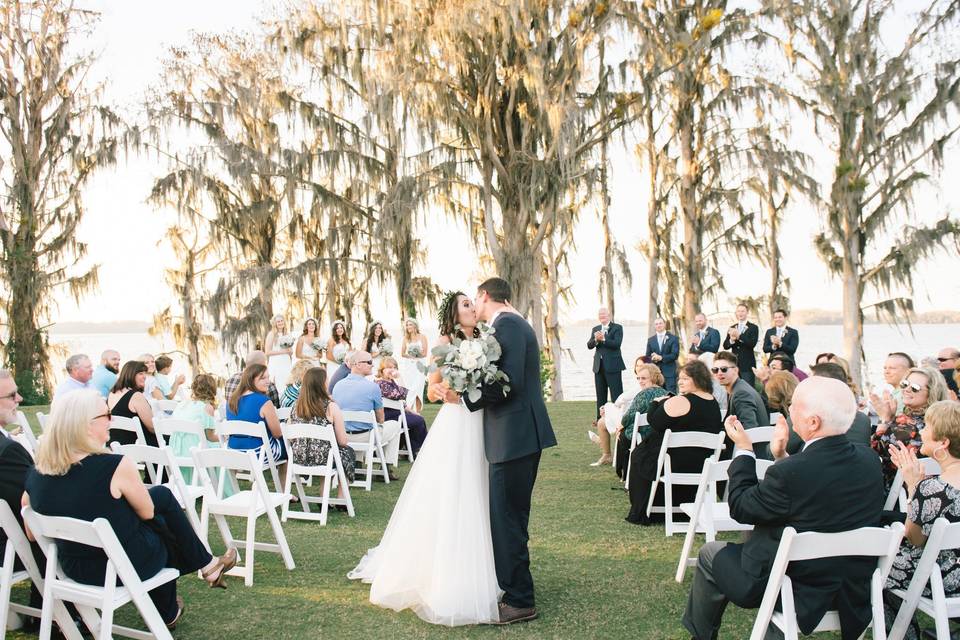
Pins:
x: 925, y: 340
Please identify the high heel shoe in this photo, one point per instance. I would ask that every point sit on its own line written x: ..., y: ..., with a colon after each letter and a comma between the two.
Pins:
x: 224, y: 563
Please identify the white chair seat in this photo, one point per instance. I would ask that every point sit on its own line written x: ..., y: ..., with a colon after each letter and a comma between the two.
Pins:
x: 92, y: 595
x: 719, y: 514
x: 239, y: 503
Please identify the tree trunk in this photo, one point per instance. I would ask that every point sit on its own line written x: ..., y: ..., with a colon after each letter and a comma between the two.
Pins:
x: 608, y: 280
x: 773, y: 252
x: 692, y: 225
x: 653, y: 236
x: 26, y: 347
x: 554, y: 347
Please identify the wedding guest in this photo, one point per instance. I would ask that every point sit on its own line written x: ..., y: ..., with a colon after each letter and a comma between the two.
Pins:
x: 695, y: 409
x: 929, y: 498
x: 315, y: 406
x: 167, y: 388
x: 602, y: 436
x: 306, y: 348
x: 705, y: 339
x: 249, y: 402
x: 741, y: 339
x: 342, y: 372
x: 719, y: 392
x: 254, y: 357
x: 920, y: 388
x: 605, y: 339
x: 79, y: 371
x: 106, y: 373
x: 780, y: 387
x: 860, y: 429
x: 294, y: 380
x: 356, y: 393
x: 779, y: 362
x: 663, y: 349
x: 947, y: 360
x: 337, y: 346
x: 127, y: 400
x: 650, y: 380
x: 150, y: 382
x: 824, y: 357
x: 832, y: 486
x: 201, y: 409
x: 387, y: 377
x: 77, y: 477
x: 895, y: 369
x: 279, y: 355
x: 743, y: 401
x: 781, y: 338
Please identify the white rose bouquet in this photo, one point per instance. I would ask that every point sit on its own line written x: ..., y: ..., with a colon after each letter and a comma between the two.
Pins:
x: 467, y: 364
x: 318, y: 345
x: 414, y: 350
x: 386, y: 347
x: 286, y: 342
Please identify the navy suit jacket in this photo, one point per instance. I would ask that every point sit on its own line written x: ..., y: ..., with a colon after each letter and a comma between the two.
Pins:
x: 670, y: 353
x: 789, y: 344
x: 743, y: 346
x: 607, y: 351
x: 710, y: 342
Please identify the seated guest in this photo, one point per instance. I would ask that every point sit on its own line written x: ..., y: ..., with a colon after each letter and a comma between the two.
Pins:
x: 79, y: 372
x: 930, y: 498
x: 947, y: 361
x: 342, y: 371
x: 743, y: 400
x: 831, y: 486
x: 254, y: 357
x: 695, y: 409
x: 356, y: 393
x: 920, y: 388
x: 77, y: 477
x: 860, y: 429
x: 314, y: 406
x: 167, y: 388
x: 718, y: 391
x: 106, y: 374
x: 201, y: 408
x: 292, y: 390
x: 387, y: 376
x: 783, y: 362
x: 780, y: 387
x: 150, y: 389
x: 602, y: 436
x: 127, y: 400
x: 650, y: 380
x: 249, y: 402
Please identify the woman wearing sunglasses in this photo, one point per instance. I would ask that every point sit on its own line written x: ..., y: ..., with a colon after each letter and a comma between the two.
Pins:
x: 921, y: 387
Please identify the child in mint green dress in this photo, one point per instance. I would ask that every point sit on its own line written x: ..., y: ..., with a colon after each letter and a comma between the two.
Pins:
x: 200, y: 409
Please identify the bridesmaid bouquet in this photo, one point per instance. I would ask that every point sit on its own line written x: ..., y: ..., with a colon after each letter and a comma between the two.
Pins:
x: 386, y: 348
x: 318, y: 345
x: 285, y: 342
x: 465, y: 365
x: 414, y: 351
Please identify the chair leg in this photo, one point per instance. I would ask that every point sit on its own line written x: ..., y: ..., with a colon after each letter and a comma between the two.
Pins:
x: 251, y: 542
x: 6, y: 577
x: 668, y: 508
x: 687, y: 550
x: 324, y: 499
x: 281, y: 538
x: 653, y: 494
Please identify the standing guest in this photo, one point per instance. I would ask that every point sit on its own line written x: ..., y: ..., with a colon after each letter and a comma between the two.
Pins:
x: 338, y: 346
x: 743, y: 401
x: 167, y: 388
x: 305, y: 349
x: 606, y: 339
x: 279, y: 357
x: 695, y: 409
x: 106, y: 374
x: 413, y: 349
x: 741, y: 339
x: 387, y: 377
x: 602, y: 436
x: 651, y: 387
x: 249, y: 402
x: 79, y: 371
x: 780, y: 337
x: 127, y: 400
x: 150, y: 381
x: 372, y: 343
x: 663, y: 349
x: 77, y: 477
x: 294, y: 380
x: 831, y: 486
x: 254, y: 357
x: 705, y: 339
x: 201, y: 409
x: 947, y: 359
x: 356, y: 393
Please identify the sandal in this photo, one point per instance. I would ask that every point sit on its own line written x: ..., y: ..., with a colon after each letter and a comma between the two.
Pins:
x: 224, y: 563
x: 180, y: 607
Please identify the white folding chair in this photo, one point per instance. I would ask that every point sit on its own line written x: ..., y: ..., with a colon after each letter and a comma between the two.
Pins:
x: 639, y: 420
x: 26, y: 436
x: 107, y: 597
x: 331, y: 471
x: 250, y: 503
x: 229, y: 428
x: 666, y: 475
x: 284, y: 413
x: 132, y: 425
x: 166, y: 427
x: 944, y: 535
x: 164, y: 407
x: 774, y: 416
x: 371, y: 450
x: 42, y: 421
x: 898, y: 495
x: 18, y: 546
x: 874, y: 542
x: 405, y: 449
x: 707, y: 515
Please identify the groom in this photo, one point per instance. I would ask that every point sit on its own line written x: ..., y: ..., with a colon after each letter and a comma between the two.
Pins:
x: 516, y: 429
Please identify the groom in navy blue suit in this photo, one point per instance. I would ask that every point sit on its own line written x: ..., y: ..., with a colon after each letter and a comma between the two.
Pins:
x: 663, y: 349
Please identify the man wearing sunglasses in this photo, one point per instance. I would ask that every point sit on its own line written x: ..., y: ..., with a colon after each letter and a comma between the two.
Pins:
x: 947, y: 360
x: 743, y: 400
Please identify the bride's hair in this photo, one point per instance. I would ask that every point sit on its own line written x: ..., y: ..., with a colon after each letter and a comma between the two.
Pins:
x: 447, y: 316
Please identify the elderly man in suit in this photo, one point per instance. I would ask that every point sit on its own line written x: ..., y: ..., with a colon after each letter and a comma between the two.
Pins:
x: 605, y: 339
x: 663, y: 349
x: 742, y: 337
x: 705, y: 338
x: 830, y: 486
x: 780, y: 338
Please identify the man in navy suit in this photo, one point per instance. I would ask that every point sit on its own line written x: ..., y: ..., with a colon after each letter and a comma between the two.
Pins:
x: 780, y: 337
x: 608, y: 366
x: 705, y: 338
x: 663, y: 349
x: 741, y: 339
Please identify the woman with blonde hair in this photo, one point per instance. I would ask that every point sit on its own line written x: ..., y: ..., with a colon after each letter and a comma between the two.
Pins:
x: 651, y: 387
x: 77, y: 477
x: 387, y: 376
x: 279, y: 354
x: 413, y: 350
x: 294, y: 380
x: 779, y: 388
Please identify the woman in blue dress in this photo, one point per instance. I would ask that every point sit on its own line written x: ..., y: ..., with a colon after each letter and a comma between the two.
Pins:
x: 251, y: 403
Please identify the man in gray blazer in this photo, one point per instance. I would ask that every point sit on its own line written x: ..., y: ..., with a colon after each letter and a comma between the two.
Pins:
x: 743, y: 400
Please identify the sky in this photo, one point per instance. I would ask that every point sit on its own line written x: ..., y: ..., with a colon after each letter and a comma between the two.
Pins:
x: 124, y: 233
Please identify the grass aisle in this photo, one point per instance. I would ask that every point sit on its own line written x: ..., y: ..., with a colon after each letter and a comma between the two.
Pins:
x: 596, y: 576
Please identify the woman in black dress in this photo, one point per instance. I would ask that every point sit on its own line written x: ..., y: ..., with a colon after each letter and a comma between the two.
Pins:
x: 695, y: 409
x: 127, y: 400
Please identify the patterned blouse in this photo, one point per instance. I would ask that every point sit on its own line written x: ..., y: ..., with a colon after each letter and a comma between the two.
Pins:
x: 933, y: 498
x: 290, y: 395
x: 391, y: 390
x: 309, y: 451
x: 905, y: 428
x: 641, y: 404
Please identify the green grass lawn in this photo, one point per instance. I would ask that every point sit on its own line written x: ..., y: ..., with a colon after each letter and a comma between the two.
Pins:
x: 596, y: 576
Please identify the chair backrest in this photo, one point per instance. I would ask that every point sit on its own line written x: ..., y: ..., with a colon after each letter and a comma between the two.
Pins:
x: 640, y: 420
x: 283, y: 413
x: 170, y: 426
x: 760, y: 434
x: 128, y: 424
x: 366, y: 417
x: 229, y: 428
x: 697, y: 439
x: 774, y: 416
x: 930, y: 468
x: 229, y: 461
x: 42, y: 420
x: 18, y: 543
x: 295, y: 430
x: 165, y: 406
x: 153, y: 458
x: 393, y: 404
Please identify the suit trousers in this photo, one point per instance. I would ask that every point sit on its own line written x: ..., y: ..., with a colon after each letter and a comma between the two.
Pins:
x: 721, y: 579
x: 511, y: 488
x: 607, y: 382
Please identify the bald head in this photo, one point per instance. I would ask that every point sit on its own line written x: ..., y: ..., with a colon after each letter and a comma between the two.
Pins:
x: 256, y: 357
x: 361, y: 363
x: 822, y: 407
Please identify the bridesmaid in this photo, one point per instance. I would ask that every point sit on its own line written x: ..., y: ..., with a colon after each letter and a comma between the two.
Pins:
x: 413, y: 349
x: 279, y: 360
x: 374, y: 344
x: 337, y: 347
x: 305, y: 349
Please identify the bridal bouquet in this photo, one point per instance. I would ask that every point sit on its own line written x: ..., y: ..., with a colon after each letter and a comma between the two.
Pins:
x: 318, y: 345
x: 466, y: 364
x: 285, y: 342
x: 386, y: 348
x: 414, y: 351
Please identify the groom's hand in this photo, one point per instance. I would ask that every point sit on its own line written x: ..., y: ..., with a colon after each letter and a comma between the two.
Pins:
x: 451, y: 397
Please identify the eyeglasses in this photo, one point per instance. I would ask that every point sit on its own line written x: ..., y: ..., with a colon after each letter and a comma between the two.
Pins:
x: 945, y: 359
x: 10, y: 396
x: 913, y: 386
x: 721, y: 369
x: 365, y: 362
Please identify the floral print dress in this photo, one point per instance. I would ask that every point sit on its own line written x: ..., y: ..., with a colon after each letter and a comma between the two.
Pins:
x: 904, y: 428
x: 312, y: 452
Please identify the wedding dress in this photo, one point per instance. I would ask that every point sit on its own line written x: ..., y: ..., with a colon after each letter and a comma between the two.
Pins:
x: 436, y: 554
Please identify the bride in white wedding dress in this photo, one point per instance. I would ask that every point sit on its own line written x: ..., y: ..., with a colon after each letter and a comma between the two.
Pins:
x: 436, y: 554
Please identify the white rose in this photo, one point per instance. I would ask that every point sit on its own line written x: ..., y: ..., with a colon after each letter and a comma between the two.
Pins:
x: 468, y: 361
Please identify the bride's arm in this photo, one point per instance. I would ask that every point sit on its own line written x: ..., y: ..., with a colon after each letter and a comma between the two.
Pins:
x: 437, y: 389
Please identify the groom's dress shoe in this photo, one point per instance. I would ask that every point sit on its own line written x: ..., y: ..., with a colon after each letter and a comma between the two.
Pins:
x: 509, y: 615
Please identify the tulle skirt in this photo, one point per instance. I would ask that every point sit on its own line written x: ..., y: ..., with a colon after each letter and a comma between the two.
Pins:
x: 279, y: 367
x: 411, y: 377
x: 436, y: 555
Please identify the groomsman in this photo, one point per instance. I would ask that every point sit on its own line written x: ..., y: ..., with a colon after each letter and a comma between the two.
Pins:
x: 741, y: 339
x: 663, y: 349
x: 780, y: 337
x: 705, y: 338
x: 606, y: 339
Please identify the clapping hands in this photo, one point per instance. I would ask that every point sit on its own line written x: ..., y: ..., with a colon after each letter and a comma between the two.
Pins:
x: 781, y: 435
x: 905, y: 459
x: 886, y: 407
x: 737, y: 433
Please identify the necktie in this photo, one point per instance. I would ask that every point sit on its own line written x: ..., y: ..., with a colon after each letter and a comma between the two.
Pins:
x: 780, y: 332
x: 740, y: 327
x: 660, y: 340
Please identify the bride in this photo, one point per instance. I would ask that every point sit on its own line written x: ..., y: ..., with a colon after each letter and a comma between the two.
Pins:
x: 450, y: 578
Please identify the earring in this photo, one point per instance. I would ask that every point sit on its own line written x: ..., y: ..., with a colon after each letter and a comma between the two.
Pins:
x: 940, y: 450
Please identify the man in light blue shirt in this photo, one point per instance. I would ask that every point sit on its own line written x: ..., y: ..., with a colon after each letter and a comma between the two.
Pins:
x: 356, y: 393
x: 105, y: 375
x: 79, y: 371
